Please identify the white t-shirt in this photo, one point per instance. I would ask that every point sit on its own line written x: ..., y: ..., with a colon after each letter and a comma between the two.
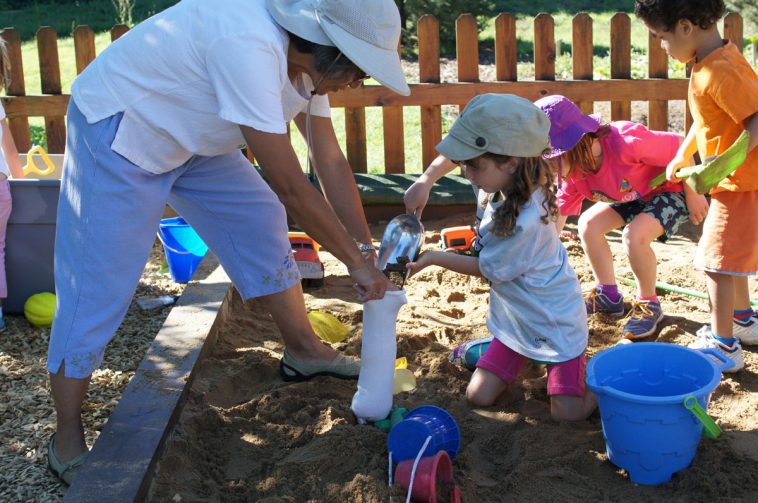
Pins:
x: 188, y: 76
x: 4, y: 169
x: 536, y: 305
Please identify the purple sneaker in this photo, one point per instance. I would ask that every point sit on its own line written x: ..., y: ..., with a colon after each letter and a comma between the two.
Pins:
x: 643, y: 320
x: 597, y: 302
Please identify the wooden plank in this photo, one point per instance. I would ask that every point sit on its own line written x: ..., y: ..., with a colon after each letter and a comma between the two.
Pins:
x: 84, y: 47
x: 394, y: 139
x: 19, y: 126
x: 50, y: 75
x: 355, y: 132
x: 621, y: 61
x: 122, y: 462
x: 658, y: 67
x: 544, y: 47
x: 581, y: 54
x: 506, y: 57
x: 577, y: 90
x: 437, y: 94
x: 429, y: 72
x: 733, y: 29
x: 118, y: 31
x: 467, y: 50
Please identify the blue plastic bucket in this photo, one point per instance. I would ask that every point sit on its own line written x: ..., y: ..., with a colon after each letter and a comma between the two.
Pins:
x: 641, y: 390
x: 408, y: 436
x: 183, y: 247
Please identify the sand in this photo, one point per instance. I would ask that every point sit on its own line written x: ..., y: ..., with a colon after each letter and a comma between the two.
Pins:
x: 245, y: 435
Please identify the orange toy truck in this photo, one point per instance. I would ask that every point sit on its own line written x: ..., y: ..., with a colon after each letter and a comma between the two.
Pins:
x: 457, y: 239
x: 307, y: 259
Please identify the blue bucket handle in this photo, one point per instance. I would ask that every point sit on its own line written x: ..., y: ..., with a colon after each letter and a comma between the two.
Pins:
x: 726, y: 363
x: 188, y: 252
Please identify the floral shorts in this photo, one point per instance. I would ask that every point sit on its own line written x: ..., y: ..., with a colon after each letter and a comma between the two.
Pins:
x: 669, y: 208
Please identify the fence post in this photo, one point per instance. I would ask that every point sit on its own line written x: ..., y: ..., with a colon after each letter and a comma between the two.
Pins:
x: 355, y: 138
x: 733, y: 29
x: 19, y: 126
x: 394, y: 136
x: 118, y: 31
x: 50, y: 75
x: 621, y: 61
x: 429, y: 71
x: 657, y: 68
x: 544, y: 47
x: 467, y: 50
x: 84, y: 47
x: 506, y: 56
x: 581, y: 54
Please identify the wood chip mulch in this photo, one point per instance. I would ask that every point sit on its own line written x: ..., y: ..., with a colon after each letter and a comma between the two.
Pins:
x: 27, y: 416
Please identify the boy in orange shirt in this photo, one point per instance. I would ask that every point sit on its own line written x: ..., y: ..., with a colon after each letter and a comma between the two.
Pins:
x: 723, y: 98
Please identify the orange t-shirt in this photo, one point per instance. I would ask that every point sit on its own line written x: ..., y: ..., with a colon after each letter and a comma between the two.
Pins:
x: 723, y: 92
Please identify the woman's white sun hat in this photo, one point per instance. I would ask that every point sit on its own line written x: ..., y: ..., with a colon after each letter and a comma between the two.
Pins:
x: 366, y: 31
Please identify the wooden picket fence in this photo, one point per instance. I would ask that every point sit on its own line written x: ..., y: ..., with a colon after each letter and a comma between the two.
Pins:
x: 428, y: 94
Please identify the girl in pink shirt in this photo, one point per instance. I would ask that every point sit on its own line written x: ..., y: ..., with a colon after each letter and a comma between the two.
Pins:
x: 614, y: 164
x: 10, y: 164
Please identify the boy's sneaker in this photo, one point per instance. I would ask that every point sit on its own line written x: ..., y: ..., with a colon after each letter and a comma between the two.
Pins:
x: 734, y: 352
x: 746, y: 331
x: 643, y: 320
x: 597, y: 302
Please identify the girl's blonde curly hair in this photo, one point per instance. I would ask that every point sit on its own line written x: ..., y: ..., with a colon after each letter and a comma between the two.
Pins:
x: 530, y: 174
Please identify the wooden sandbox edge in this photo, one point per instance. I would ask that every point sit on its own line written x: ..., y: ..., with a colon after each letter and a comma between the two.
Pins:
x: 122, y: 461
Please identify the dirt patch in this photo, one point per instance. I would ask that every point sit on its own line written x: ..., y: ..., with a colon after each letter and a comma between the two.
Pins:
x: 245, y: 435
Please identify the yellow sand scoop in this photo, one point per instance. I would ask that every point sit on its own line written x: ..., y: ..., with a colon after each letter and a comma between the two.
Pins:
x: 31, y: 167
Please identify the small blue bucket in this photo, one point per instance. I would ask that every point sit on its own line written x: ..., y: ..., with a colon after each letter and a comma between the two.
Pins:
x: 409, y: 435
x: 641, y: 389
x: 184, y: 248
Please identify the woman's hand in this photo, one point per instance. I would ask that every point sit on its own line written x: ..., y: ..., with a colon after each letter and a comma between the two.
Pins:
x: 697, y: 205
x: 370, y: 283
x: 424, y: 260
x: 416, y: 197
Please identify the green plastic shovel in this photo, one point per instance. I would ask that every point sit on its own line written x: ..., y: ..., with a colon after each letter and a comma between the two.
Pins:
x: 703, y: 177
x: 710, y: 428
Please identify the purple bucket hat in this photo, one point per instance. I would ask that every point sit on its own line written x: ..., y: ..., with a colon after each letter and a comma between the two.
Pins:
x: 567, y: 123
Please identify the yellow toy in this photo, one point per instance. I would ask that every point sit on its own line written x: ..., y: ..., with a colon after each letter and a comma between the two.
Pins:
x: 39, y: 309
x: 327, y: 327
x: 32, y: 168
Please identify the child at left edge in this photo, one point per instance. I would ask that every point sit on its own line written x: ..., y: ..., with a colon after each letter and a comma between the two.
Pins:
x: 10, y: 165
x: 723, y: 98
x: 536, y: 309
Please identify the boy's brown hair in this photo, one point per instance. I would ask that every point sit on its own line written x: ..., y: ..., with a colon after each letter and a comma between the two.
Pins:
x: 666, y: 13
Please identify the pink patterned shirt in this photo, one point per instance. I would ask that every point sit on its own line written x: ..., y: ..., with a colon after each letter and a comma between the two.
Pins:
x: 632, y: 156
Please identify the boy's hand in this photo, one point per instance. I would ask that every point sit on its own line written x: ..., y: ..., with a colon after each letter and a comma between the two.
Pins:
x: 424, y: 260
x: 697, y: 206
x: 675, y: 165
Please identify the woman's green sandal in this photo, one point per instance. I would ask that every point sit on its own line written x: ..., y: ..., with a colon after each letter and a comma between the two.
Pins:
x: 66, y: 472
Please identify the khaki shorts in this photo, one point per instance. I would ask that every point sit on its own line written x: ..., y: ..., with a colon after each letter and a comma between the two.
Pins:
x: 729, y: 243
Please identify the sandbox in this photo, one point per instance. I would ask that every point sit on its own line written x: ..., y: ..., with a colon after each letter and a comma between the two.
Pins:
x: 243, y: 434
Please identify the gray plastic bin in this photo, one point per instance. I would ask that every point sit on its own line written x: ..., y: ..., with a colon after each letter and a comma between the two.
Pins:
x: 29, y: 241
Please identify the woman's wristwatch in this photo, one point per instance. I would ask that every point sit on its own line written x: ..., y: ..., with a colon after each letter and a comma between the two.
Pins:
x: 365, y: 247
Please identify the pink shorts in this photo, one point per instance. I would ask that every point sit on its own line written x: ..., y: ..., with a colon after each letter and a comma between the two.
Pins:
x: 565, y: 378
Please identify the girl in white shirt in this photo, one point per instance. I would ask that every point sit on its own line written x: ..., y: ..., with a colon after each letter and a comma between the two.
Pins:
x: 536, y: 308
